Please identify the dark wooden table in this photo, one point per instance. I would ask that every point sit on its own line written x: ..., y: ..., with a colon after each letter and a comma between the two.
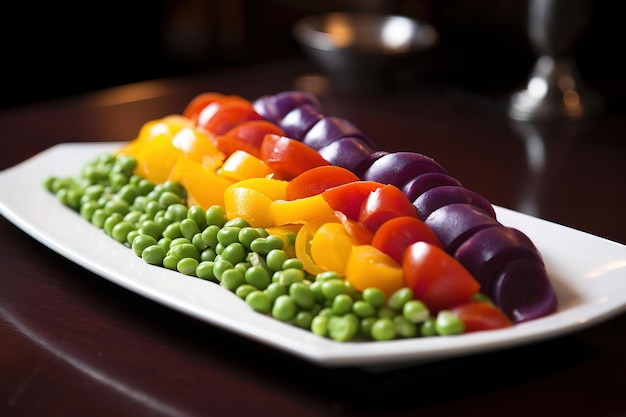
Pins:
x: 74, y: 344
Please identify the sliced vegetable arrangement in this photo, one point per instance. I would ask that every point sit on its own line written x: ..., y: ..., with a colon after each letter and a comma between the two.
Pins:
x: 301, y: 216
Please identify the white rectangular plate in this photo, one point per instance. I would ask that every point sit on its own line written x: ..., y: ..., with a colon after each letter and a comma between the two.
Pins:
x: 588, y: 273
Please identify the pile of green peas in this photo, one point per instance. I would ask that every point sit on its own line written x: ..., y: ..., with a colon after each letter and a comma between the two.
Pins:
x: 156, y: 223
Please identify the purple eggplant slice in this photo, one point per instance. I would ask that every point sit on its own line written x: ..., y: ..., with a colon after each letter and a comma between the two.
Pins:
x: 398, y: 168
x: 441, y: 196
x: 424, y: 182
x: 488, y: 251
x: 455, y: 223
x: 330, y: 129
x: 523, y: 291
x: 346, y: 152
x: 298, y: 121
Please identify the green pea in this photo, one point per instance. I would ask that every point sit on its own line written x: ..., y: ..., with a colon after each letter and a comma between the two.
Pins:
x: 152, y: 208
x: 184, y: 250
x: 208, y: 254
x: 243, y: 290
x: 415, y: 311
x: 275, y: 259
x: 132, y: 216
x: 351, y: 290
x: 374, y: 296
x: 209, y: 235
x: 131, y: 236
x: 232, y: 278
x: 150, y: 228
x: 302, y: 295
x: 288, y: 276
x: 264, y: 245
x: 111, y: 221
x: 216, y: 215
x: 205, y: 270
x: 303, y: 319
x: 163, y: 221
x: 332, y: 287
x: 128, y: 193
x: 383, y: 329
x: 404, y: 327
x: 227, y: 235
x: 189, y: 228
x: 173, y: 187
x: 258, y: 277
x: 363, y: 309
x: 247, y: 235
x: 327, y: 275
x: 116, y: 206
x: 98, y: 218
x: 447, y: 323
x: 284, y: 308
x: 343, y: 328
x: 197, y: 241
x: 141, y: 242
x: 198, y: 215
x: 319, y: 325
x: 316, y: 288
x: 153, y: 255
x: 176, y: 212
x: 145, y: 186
x: 220, y: 267
x: 179, y: 241
x: 342, y: 304
x: 259, y: 301
x: 173, y: 231
x: 399, y: 297
x: 428, y: 328
x: 117, y: 180
x: 94, y: 191
x: 126, y: 163
x: 88, y: 209
x: 165, y: 243
x: 238, y: 222
x: 386, y: 312
x: 294, y: 263
x: 73, y: 197
x: 187, y: 266
x: 168, y: 198
x: 234, y: 253
x: 170, y: 262
x: 275, y: 290
x: 366, y: 326
x: 242, y: 266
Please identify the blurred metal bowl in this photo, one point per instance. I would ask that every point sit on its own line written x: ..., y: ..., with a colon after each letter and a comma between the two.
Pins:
x: 363, y: 51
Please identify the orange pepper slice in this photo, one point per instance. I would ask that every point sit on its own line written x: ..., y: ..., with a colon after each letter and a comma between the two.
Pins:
x: 368, y: 267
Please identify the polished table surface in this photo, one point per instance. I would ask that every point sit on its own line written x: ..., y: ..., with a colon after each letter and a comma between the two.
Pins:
x: 75, y: 344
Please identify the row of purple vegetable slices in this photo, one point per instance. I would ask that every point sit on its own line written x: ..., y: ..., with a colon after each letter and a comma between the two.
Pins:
x: 506, y: 263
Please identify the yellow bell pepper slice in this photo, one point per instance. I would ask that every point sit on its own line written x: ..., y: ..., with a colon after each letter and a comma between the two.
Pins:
x: 299, y: 210
x: 274, y: 189
x: 156, y: 158
x: 304, y: 239
x: 204, y: 187
x: 331, y: 246
x: 241, y: 165
x: 249, y: 204
x: 369, y: 267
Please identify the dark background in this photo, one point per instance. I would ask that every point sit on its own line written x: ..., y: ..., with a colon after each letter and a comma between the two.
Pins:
x: 55, y: 50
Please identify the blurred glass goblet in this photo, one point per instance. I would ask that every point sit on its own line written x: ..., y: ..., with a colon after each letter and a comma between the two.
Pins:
x: 555, y: 89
